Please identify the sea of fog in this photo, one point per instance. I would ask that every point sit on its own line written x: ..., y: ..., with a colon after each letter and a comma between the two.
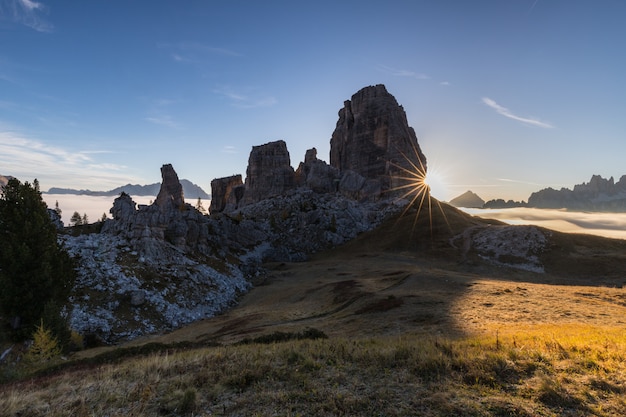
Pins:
x: 602, y: 224
x: 95, y: 207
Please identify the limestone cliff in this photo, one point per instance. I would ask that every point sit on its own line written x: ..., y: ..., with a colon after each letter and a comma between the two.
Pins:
x: 373, y: 139
x: 269, y: 172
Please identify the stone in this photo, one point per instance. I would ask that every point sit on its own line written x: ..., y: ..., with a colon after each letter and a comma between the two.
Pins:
x: 226, y: 193
x: 171, y: 192
x: 373, y: 139
x: 269, y: 172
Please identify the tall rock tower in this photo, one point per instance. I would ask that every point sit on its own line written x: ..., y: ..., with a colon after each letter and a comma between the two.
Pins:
x: 374, y: 139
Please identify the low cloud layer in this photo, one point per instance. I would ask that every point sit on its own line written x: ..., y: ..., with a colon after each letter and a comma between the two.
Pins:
x: 602, y: 224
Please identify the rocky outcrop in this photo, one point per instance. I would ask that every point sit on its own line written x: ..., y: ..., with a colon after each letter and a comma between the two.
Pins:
x: 168, y: 219
x: 171, y: 192
x: 316, y: 174
x: 269, y: 172
x: 373, y: 154
x: 4, y: 180
x: 226, y: 193
x: 153, y: 269
x: 599, y: 194
x: 373, y: 139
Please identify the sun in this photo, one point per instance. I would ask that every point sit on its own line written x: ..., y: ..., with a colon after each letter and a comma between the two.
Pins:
x: 437, y: 183
x: 416, y: 184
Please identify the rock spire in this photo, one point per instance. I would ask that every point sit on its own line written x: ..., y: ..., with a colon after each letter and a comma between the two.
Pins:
x: 373, y: 139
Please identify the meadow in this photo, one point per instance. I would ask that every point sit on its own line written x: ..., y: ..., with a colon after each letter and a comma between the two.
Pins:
x: 394, y: 323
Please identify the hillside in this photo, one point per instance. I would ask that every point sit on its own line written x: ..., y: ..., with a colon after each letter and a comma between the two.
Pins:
x: 418, y: 305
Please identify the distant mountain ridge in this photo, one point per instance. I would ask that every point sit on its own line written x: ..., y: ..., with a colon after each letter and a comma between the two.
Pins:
x: 190, y: 190
x: 468, y: 199
x: 599, y: 194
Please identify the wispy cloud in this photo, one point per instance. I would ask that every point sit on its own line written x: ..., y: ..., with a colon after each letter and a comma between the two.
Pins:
x: 245, y: 100
x: 159, y: 113
x: 446, y: 83
x: 519, y: 181
x: 507, y: 113
x: 229, y: 149
x: 192, y: 52
x: 28, y: 159
x: 26, y: 12
x: 403, y: 73
x: 163, y: 120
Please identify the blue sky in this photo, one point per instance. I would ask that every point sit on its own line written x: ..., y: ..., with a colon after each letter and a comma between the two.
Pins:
x: 506, y: 96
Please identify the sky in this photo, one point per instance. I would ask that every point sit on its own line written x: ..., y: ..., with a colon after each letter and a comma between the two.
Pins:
x: 507, y: 97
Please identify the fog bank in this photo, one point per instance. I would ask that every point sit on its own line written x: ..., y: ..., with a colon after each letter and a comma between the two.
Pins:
x: 96, y: 206
x: 602, y: 224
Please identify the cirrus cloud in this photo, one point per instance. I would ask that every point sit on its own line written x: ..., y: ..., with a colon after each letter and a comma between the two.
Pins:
x: 26, y: 12
x: 507, y: 113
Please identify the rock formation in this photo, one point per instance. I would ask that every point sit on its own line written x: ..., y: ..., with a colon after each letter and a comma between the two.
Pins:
x: 226, y: 193
x: 269, y: 172
x: 316, y: 174
x: 373, y: 139
x: 373, y: 154
x: 171, y: 192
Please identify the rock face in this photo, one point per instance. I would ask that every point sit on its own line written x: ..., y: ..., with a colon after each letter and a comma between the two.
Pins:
x: 316, y: 174
x: 171, y: 192
x: 269, y: 172
x: 468, y: 199
x: 598, y: 194
x: 373, y: 139
x: 226, y: 193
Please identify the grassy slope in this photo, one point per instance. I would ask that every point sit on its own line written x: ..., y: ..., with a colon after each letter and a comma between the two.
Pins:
x: 414, y: 327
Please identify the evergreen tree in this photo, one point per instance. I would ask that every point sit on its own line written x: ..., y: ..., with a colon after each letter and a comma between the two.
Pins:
x: 76, y: 219
x: 85, y: 219
x: 36, y: 273
x: 200, y: 207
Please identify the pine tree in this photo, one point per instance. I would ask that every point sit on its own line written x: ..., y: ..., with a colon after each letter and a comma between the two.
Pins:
x: 76, y: 219
x: 85, y: 219
x: 200, y: 207
x: 36, y: 273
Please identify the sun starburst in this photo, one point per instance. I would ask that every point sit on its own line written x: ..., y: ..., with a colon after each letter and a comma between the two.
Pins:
x: 413, y: 186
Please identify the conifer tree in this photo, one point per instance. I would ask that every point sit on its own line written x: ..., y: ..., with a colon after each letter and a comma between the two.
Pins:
x: 76, y: 219
x: 36, y: 273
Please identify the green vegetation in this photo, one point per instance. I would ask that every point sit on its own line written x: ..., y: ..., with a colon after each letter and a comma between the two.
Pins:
x: 36, y: 273
x: 544, y: 372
